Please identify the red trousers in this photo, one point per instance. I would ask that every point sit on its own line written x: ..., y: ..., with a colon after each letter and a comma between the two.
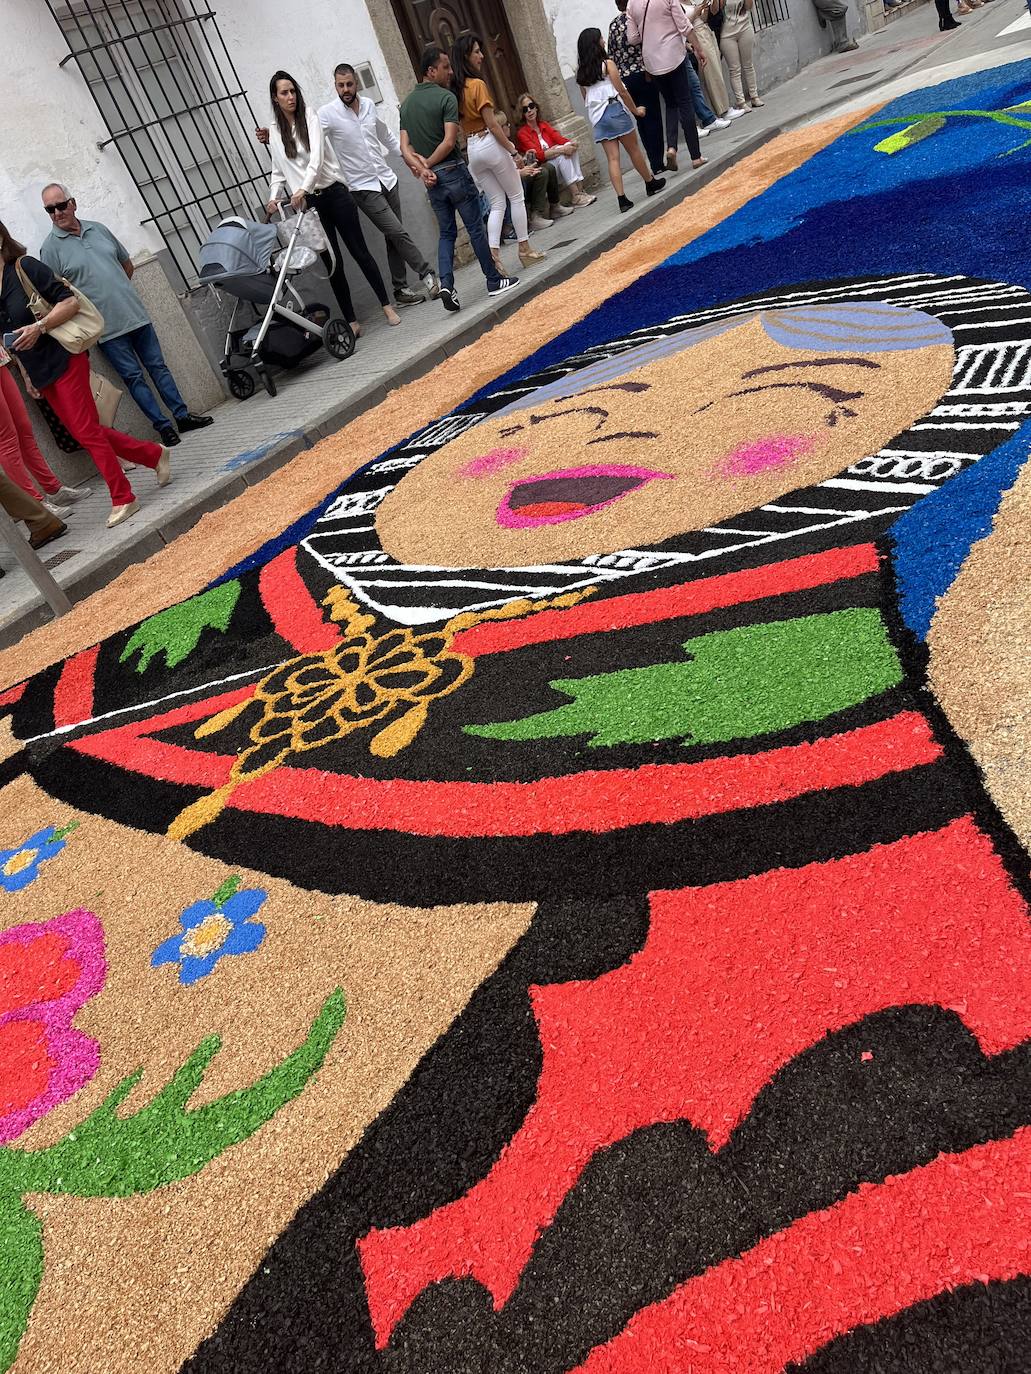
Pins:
x: 73, y: 400
x: 20, y: 457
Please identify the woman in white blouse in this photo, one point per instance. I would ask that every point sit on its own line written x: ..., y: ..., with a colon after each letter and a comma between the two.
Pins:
x: 304, y: 164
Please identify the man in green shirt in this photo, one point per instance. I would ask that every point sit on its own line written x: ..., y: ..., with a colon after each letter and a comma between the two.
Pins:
x: 429, y: 138
x: 91, y: 258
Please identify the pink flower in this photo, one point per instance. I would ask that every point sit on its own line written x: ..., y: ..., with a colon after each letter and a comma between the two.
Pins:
x: 48, y: 970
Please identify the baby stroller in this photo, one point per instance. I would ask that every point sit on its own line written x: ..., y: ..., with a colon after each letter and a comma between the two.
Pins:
x: 239, y: 257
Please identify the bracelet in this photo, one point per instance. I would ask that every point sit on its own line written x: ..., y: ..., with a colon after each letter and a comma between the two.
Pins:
x: 42, y: 325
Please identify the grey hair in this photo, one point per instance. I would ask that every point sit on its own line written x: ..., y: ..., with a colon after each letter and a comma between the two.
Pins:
x: 52, y: 185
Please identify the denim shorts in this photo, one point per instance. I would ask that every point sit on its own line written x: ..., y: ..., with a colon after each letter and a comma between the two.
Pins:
x: 616, y: 122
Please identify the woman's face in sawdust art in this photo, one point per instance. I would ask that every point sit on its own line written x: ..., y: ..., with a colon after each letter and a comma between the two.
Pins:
x: 677, y: 441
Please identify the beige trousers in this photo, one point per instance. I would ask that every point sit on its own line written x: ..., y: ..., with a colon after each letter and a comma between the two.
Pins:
x: 713, y: 85
x: 20, y: 506
x: 738, y: 52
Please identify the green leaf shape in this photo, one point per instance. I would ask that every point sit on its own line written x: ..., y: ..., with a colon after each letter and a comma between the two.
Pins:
x: 915, y: 133
x: 225, y: 890
x: 177, y: 631
x: 21, y: 1272
x: 737, y: 684
x: 1003, y: 116
x: 114, y: 1156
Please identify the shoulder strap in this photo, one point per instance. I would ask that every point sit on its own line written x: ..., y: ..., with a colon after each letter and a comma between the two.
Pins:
x: 644, y: 20
x: 26, y: 284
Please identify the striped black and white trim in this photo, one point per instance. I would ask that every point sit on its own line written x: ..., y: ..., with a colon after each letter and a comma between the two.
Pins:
x: 987, y: 402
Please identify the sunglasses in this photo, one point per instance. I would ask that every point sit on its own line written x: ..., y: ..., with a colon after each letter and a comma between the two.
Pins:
x: 59, y: 208
x: 530, y: 105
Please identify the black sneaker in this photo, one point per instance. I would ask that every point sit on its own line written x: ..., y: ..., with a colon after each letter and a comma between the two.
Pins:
x: 189, y: 422
x: 406, y: 296
x: 499, y: 287
x: 625, y: 203
x: 449, y: 298
x: 654, y: 186
x: 169, y: 437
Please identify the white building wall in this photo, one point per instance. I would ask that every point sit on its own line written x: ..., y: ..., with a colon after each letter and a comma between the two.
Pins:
x: 306, y: 39
x: 568, y: 18
x: 55, y: 137
x: 57, y: 141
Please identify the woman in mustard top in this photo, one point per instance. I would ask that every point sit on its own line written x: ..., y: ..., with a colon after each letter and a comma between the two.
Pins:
x: 490, y: 150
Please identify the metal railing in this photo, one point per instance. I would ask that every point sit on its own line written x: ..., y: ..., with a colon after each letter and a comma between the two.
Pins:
x: 766, y: 13
x: 171, y: 98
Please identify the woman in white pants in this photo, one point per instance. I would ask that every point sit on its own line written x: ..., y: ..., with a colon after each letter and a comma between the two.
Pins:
x: 537, y: 136
x: 491, y: 151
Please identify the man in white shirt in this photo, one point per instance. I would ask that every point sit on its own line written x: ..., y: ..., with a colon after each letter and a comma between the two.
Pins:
x: 357, y: 135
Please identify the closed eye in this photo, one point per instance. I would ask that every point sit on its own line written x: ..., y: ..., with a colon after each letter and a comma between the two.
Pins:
x: 831, y: 393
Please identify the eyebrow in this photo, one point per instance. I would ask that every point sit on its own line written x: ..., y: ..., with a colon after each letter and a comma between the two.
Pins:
x: 581, y: 410
x: 815, y: 362
x: 616, y: 386
x: 624, y: 434
x: 573, y: 410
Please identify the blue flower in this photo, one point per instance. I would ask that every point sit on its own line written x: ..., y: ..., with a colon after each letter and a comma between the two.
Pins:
x: 212, y: 929
x: 20, y: 866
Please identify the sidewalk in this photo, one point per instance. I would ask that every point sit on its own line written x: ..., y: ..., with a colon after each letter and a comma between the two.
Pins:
x: 252, y: 438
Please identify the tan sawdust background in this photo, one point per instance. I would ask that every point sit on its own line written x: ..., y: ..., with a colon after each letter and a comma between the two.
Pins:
x: 981, y: 655
x: 228, y: 535
x: 136, y: 1283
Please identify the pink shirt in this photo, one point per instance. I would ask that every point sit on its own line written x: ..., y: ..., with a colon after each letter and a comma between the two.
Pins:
x: 663, y: 33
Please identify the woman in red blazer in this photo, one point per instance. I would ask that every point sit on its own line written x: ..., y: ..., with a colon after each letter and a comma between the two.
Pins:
x: 536, y: 135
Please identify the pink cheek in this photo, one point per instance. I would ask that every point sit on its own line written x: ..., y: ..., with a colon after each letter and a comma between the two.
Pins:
x: 495, y: 461
x: 771, y: 452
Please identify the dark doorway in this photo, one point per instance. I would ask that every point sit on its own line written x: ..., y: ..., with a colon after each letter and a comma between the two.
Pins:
x: 442, y: 21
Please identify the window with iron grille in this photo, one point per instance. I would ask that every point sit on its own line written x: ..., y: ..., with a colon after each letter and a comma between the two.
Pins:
x: 170, y: 96
x: 765, y: 13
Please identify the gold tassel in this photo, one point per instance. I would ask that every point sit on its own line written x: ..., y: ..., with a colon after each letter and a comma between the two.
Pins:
x: 200, y: 813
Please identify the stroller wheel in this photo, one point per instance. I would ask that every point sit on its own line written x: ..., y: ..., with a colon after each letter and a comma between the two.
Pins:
x: 338, y: 337
x: 240, y: 383
x: 268, y: 381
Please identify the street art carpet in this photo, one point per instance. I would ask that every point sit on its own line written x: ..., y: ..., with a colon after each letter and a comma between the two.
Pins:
x: 542, y: 911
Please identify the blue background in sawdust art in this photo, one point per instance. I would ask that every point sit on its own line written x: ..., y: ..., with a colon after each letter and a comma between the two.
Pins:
x: 951, y: 203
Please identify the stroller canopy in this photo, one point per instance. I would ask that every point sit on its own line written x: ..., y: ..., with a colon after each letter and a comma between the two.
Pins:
x: 237, y: 248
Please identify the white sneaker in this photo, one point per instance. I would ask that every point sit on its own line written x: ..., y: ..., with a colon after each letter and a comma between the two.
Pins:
x: 560, y: 211
x: 539, y: 222
x: 734, y: 113
x: 432, y: 284
x: 68, y: 496
x: 719, y: 123
x: 120, y: 513
x: 703, y: 132
x: 54, y: 506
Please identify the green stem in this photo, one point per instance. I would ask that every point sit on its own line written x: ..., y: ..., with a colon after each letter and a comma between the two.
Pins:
x: 21, y: 1271
x: 997, y: 115
x: 116, y: 1156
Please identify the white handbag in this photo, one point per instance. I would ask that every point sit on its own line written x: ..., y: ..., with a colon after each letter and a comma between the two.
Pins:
x: 310, y: 235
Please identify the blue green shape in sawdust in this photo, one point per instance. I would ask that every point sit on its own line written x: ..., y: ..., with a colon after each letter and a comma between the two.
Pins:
x: 736, y: 684
x: 109, y: 1155
x: 177, y: 631
x: 923, y: 126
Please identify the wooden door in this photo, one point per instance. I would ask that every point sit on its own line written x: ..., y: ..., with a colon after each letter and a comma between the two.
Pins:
x: 442, y: 21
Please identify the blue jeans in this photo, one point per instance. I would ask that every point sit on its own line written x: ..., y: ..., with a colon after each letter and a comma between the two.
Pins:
x: 456, y: 190
x: 706, y: 114
x: 129, y: 354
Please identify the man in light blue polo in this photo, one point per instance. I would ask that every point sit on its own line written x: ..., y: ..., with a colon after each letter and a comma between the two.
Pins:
x: 90, y: 256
